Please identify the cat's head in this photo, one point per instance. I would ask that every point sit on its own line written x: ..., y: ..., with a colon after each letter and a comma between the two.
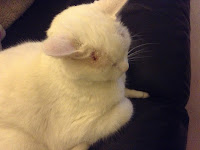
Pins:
x: 90, y: 40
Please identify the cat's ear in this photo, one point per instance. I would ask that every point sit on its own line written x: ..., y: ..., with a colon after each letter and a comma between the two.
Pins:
x: 58, y: 46
x: 111, y: 7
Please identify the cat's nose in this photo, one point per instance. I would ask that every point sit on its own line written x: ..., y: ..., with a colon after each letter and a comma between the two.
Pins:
x: 124, y: 66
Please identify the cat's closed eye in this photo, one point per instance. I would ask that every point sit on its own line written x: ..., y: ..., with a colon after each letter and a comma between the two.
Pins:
x: 94, y: 56
x: 122, y: 34
x: 114, y: 64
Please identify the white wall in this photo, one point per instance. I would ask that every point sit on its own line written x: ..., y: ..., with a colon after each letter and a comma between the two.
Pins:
x: 193, y: 106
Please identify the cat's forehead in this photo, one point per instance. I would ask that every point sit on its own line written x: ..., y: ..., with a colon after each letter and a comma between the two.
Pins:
x: 102, y: 33
x: 88, y: 26
x: 92, y: 25
x: 87, y: 12
x: 84, y: 19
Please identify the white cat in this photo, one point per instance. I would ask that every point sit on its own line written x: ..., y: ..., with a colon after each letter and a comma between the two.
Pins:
x: 67, y: 92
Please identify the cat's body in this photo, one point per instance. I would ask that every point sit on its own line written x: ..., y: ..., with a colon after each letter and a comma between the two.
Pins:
x: 69, y: 116
x: 55, y: 97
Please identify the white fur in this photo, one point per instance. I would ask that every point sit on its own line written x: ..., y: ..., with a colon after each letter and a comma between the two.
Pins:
x: 111, y: 7
x: 60, y: 97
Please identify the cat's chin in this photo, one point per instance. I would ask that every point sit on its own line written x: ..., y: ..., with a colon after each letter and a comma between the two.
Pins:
x: 117, y: 77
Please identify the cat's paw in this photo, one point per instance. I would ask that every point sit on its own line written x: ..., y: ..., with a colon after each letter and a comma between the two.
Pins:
x: 145, y: 95
x: 136, y: 94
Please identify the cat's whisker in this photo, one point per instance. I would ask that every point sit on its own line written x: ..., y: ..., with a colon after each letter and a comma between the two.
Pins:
x: 134, y: 58
x: 136, y: 40
x: 138, y: 55
x: 141, y: 45
x: 132, y: 51
x: 134, y: 48
x: 138, y: 52
x: 135, y: 61
x: 137, y: 35
x: 132, y: 63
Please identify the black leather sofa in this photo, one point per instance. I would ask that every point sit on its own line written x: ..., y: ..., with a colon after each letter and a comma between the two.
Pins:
x: 161, y: 28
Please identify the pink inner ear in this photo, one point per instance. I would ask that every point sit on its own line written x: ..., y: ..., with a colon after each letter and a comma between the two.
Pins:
x: 58, y: 46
